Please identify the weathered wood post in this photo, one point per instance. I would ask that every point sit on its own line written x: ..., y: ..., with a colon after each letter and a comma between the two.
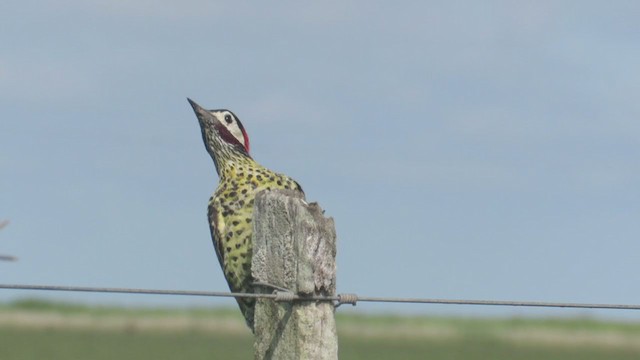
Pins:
x: 294, y: 247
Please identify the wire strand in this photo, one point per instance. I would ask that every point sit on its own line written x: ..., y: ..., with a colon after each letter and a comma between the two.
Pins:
x: 341, y: 298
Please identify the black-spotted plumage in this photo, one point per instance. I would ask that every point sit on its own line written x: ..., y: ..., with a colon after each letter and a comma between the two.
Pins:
x: 230, y: 209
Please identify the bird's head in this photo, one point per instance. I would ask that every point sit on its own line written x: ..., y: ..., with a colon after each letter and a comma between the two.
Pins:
x: 221, y: 129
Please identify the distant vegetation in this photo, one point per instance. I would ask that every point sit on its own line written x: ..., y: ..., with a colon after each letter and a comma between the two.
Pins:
x: 35, y: 329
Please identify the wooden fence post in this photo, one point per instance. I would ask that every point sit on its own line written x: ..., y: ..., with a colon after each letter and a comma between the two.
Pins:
x: 294, y: 247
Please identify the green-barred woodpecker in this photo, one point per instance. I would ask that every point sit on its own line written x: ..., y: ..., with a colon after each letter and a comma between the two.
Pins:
x: 230, y: 209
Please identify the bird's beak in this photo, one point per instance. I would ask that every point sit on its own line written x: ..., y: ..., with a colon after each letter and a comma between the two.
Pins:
x: 196, y: 108
x: 204, y: 117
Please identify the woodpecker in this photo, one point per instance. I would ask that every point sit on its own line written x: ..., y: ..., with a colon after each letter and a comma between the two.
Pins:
x: 230, y: 209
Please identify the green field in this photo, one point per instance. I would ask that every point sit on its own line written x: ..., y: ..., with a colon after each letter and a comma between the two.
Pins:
x: 40, y: 330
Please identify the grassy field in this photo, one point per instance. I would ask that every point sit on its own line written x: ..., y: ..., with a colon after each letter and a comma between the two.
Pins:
x: 40, y: 330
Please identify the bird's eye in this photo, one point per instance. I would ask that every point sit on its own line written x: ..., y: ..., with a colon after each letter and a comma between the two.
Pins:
x: 228, y: 119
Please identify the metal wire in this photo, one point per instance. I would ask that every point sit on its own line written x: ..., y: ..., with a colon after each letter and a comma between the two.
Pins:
x: 340, y: 299
x: 133, y: 291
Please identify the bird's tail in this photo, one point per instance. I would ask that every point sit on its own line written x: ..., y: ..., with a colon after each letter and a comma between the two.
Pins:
x: 247, y: 307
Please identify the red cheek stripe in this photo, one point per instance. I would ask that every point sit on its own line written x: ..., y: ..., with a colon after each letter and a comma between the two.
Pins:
x: 226, y: 135
x: 246, y: 139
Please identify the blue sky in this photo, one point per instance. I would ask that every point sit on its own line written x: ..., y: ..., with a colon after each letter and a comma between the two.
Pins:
x: 466, y: 150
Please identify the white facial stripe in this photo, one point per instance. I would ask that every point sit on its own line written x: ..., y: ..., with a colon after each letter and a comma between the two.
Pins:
x: 233, y: 127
